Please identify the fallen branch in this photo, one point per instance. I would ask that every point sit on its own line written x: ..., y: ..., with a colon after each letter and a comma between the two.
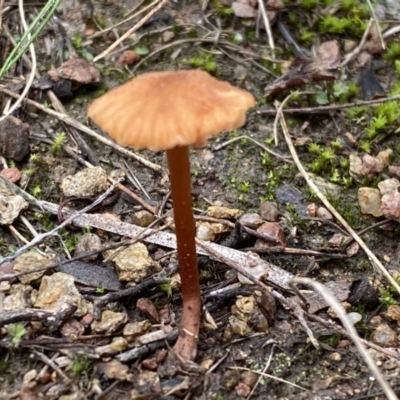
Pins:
x: 250, y: 262
x: 51, y: 319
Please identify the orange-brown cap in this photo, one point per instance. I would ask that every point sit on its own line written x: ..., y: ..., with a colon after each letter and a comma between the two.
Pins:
x: 161, y: 110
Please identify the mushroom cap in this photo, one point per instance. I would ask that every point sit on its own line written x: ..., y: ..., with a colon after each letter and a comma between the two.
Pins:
x: 162, y: 110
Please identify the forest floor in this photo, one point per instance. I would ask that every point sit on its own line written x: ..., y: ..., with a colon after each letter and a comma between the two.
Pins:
x: 345, y: 134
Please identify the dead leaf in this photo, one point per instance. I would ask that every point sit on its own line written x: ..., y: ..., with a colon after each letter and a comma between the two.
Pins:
x: 325, y: 67
x: 77, y: 70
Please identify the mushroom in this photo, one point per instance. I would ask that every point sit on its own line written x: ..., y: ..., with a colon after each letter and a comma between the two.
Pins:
x: 170, y: 111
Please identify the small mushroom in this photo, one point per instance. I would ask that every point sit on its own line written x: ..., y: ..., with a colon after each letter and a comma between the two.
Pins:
x: 171, y: 111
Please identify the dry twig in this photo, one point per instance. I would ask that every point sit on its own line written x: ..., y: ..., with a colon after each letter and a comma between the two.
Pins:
x: 356, y: 51
x: 44, y: 236
x: 331, y: 107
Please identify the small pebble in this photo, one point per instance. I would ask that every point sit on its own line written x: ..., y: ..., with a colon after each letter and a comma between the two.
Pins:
x: 11, y: 174
x: 269, y: 211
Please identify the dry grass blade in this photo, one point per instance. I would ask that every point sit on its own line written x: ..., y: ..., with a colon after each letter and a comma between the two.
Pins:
x: 270, y: 376
x: 29, y: 82
x: 330, y: 299
x: 130, y: 31
x: 357, y: 50
x: 265, y: 148
x: 372, y: 257
x: 267, y: 25
x: 110, y: 28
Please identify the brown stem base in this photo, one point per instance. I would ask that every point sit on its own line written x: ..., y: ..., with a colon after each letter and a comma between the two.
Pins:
x: 186, y: 345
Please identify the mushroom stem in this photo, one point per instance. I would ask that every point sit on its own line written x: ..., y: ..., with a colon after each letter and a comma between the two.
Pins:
x: 179, y: 167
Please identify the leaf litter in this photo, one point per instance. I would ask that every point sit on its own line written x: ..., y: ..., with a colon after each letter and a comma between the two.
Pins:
x: 78, y: 321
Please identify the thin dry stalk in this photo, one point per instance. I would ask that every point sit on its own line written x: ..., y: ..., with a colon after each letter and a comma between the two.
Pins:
x: 131, y: 31
x: 1, y: 12
x: 17, y: 234
x: 44, y: 236
x: 110, y: 28
x: 269, y: 376
x: 50, y: 363
x: 372, y: 257
x: 340, y: 312
x: 167, y: 46
x: 391, y: 32
x: 265, y: 148
x: 267, y: 26
x: 331, y: 107
x: 263, y: 371
x: 32, y: 73
x: 356, y: 51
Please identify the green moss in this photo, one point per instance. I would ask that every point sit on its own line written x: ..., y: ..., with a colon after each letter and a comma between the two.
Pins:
x: 349, y: 4
x: 221, y: 9
x: 314, y: 148
x: 294, y: 20
x: 204, y: 61
x: 342, y: 91
x: 266, y: 160
x: 308, y: 4
x: 350, y: 19
x: 389, y: 111
x: 311, y: 195
x: 192, y: 34
x: 397, y: 66
x: 58, y: 142
x: 16, y: 331
x: 166, y: 288
x: 358, y: 111
x: 389, y: 295
x: 392, y: 51
x: 251, y: 35
x: 395, y: 89
x: 101, y: 21
x: 77, y: 41
x: 244, y: 187
x: 272, y: 183
x: 80, y: 366
x: 332, y: 340
x: 337, y: 144
x: 177, y: 29
x: 331, y: 24
x: 307, y: 37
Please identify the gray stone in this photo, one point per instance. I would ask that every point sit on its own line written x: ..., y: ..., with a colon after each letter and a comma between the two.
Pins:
x: 269, y: 211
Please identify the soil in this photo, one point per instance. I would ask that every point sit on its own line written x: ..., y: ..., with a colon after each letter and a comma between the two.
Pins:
x: 239, y: 174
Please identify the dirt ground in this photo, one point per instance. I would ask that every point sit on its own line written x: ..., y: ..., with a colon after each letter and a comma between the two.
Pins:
x: 258, y: 357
